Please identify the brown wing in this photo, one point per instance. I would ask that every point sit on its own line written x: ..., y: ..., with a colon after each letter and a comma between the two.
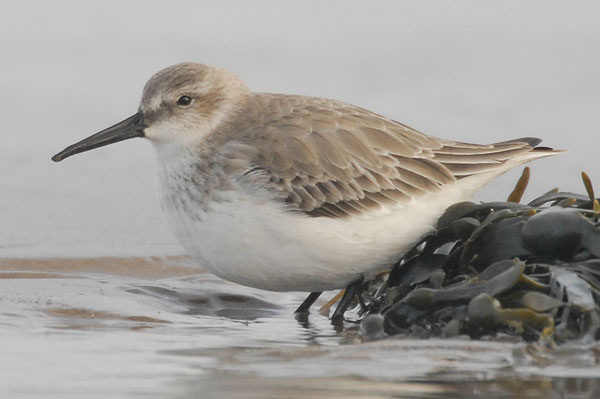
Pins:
x: 328, y: 158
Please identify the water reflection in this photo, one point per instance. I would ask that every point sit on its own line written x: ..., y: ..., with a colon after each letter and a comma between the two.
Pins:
x: 328, y: 388
x: 157, y: 327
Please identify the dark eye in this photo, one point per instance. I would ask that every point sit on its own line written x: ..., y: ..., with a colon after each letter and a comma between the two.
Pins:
x: 184, y: 101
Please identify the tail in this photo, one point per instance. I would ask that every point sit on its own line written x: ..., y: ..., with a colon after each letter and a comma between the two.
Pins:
x: 534, y: 151
x: 464, y: 160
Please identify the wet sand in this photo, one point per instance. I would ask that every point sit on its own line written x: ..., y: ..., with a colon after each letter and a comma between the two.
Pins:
x: 156, y: 327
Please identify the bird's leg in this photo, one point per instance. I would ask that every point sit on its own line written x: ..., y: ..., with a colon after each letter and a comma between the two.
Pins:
x: 351, y: 291
x: 310, y: 299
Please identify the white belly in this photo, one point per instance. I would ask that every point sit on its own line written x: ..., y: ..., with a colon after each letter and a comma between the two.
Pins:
x: 254, y: 242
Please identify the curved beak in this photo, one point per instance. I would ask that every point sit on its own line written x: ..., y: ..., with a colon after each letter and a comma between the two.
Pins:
x: 127, y: 129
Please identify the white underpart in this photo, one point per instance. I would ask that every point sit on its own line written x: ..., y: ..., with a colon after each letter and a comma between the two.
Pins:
x: 261, y: 245
x: 254, y: 241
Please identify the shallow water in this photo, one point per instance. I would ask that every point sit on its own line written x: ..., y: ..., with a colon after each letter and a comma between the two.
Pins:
x: 155, y: 327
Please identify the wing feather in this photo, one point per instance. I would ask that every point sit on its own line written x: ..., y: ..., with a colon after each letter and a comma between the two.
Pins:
x: 327, y: 158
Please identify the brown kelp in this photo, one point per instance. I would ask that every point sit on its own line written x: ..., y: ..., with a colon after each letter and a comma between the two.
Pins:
x: 497, y: 268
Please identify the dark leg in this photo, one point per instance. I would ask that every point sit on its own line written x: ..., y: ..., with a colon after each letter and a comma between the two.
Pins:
x: 310, y: 299
x: 351, y: 291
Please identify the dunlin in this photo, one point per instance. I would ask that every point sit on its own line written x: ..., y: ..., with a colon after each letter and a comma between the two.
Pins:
x: 293, y: 193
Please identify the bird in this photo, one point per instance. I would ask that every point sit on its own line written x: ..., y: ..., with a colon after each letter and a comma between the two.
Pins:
x: 295, y: 193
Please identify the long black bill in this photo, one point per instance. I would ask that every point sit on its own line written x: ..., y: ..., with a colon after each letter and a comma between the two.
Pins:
x: 129, y: 128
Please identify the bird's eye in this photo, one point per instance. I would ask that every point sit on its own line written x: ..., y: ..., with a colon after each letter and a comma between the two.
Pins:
x: 184, y: 101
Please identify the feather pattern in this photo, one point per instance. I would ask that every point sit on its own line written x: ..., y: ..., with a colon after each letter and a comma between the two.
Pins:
x: 328, y: 158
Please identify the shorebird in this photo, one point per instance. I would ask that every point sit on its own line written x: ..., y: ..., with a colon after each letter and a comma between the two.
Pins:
x: 293, y: 193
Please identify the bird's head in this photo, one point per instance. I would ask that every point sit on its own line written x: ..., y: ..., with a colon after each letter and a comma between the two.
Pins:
x: 180, y: 106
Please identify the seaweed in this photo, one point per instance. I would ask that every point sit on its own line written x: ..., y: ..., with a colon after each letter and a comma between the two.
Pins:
x: 497, y: 268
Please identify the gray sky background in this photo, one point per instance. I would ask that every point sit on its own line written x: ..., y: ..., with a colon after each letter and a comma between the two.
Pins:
x: 479, y: 71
